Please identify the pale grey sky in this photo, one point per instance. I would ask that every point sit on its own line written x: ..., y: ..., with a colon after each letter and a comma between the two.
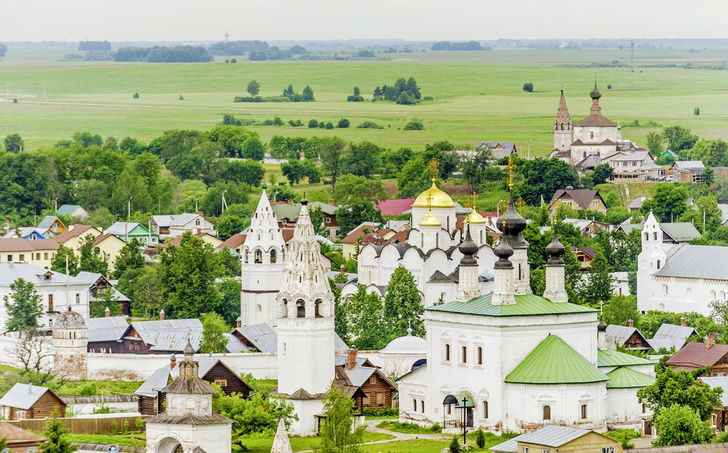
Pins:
x: 179, y: 20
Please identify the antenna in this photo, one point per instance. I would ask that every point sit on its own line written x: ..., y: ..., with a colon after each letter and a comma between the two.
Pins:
x: 227, y: 36
x: 631, y: 45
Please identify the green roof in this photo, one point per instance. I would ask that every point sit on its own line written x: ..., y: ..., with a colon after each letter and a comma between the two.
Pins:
x: 555, y: 362
x: 610, y: 357
x: 526, y: 305
x: 411, y: 372
x: 627, y: 378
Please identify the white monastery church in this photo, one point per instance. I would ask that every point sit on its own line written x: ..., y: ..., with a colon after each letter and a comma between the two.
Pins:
x: 509, y: 359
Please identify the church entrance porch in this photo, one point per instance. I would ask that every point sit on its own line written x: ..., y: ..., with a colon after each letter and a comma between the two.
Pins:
x: 169, y: 445
x: 458, y: 412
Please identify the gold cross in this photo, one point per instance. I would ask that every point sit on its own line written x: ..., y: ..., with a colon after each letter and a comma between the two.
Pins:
x: 503, y: 206
x: 520, y: 203
x: 510, y: 166
x: 433, y: 168
x: 474, y: 201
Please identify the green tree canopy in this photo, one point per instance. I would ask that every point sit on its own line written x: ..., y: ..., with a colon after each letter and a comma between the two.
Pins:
x: 92, y: 259
x: 253, y: 88
x: 214, y: 329
x: 58, y: 263
x: 365, y: 319
x: 23, y: 305
x: 683, y: 388
x: 403, y: 305
x: 337, y: 433
x: 352, y: 186
x: 13, y: 143
x: 681, y: 425
x: 354, y: 213
x: 620, y: 309
x: 58, y: 442
x: 130, y: 257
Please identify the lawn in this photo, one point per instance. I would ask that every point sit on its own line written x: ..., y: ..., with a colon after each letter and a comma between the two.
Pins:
x: 130, y: 439
x: 263, y: 444
x: 477, y: 95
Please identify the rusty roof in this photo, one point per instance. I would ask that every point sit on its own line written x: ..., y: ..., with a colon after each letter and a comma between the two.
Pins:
x: 596, y: 121
x: 696, y: 355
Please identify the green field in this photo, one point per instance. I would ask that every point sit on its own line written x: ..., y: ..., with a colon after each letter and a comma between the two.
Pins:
x: 478, y: 95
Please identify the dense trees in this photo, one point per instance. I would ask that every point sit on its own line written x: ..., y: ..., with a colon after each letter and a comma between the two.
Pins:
x: 157, y: 54
x: 337, y: 431
x: 403, y: 92
x: 213, y: 334
x: 543, y: 177
x: 468, y: 45
x: 253, y: 88
x: 13, y: 143
x: 23, y: 306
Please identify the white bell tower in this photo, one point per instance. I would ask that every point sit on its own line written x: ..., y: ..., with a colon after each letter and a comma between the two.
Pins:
x: 305, y: 328
x: 651, y: 259
x: 262, y: 267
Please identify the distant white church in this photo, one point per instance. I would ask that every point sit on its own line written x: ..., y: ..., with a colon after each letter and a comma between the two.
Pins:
x: 679, y: 277
x: 509, y: 359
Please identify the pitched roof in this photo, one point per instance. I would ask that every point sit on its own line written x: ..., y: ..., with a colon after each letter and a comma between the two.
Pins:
x: 233, y: 242
x: 174, y: 220
x: 596, y: 121
x: 260, y: 336
x: 549, y: 436
x: 671, y: 336
x: 637, y: 202
x: 24, y: 245
x: 76, y: 231
x: 688, y: 261
x: 555, y: 362
x: 161, y: 377
x: 696, y: 355
x: 395, y: 206
x: 169, y: 334
x: 67, y: 209
x: 689, y: 165
x: 526, y: 305
x: 680, y: 231
x: 106, y: 329
x: 48, y: 221
x: 291, y: 211
x: 358, y: 232
x: 12, y: 434
x: 590, y: 161
x: 583, y: 197
x: 620, y: 334
x: 627, y: 378
x: 611, y: 358
x: 718, y: 381
x: 23, y: 396
x: 9, y: 272
x: 633, y: 156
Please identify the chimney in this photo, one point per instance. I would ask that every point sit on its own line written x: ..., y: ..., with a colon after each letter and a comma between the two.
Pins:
x: 709, y: 340
x: 172, y: 361
x: 239, y: 323
x: 351, y: 358
x: 161, y: 315
x: 331, y: 202
x: 342, y: 269
x: 682, y: 321
x: 107, y: 312
x: 630, y: 323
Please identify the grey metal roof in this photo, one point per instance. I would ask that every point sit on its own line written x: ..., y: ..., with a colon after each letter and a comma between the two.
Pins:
x: 122, y: 228
x: 23, y: 396
x: 169, y: 334
x: 721, y: 381
x: 261, y: 336
x: 548, y: 436
x: 620, y: 334
x: 9, y: 272
x: 173, y: 220
x: 106, y: 329
x: 234, y: 345
x: 164, y: 375
x: 671, y: 336
x: 688, y: 261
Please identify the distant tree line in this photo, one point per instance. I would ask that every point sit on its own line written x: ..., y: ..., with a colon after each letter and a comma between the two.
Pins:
x: 176, y: 54
x: 276, y: 53
x: 237, y: 47
x: 403, y: 91
x: 94, y: 46
x: 469, y: 45
x: 3, y: 50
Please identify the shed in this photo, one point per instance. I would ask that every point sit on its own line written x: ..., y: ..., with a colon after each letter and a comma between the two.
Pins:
x: 28, y: 401
x: 559, y: 438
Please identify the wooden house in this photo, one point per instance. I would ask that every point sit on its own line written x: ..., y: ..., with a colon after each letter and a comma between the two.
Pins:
x: 28, y: 401
x: 559, y: 438
x: 143, y: 337
x: 212, y: 370
x: 628, y: 337
x: 19, y: 440
x: 578, y: 199
x: 700, y: 355
x: 379, y: 389
x: 719, y: 417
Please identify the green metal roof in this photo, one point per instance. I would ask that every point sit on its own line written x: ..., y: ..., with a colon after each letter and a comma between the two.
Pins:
x: 555, y: 362
x: 627, y: 378
x: 526, y: 305
x: 409, y: 373
x: 610, y: 358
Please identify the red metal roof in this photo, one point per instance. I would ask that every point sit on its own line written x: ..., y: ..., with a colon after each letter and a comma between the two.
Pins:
x: 697, y: 355
x: 396, y: 206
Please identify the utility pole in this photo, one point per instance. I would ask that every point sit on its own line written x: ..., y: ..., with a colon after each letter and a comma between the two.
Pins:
x: 128, y: 208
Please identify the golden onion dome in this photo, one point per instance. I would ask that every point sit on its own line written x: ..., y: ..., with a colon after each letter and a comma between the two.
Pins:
x: 430, y: 220
x: 474, y: 217
x: 433, y: 197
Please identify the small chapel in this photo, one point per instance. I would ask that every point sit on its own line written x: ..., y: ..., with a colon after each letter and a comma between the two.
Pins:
x: 508, y: 359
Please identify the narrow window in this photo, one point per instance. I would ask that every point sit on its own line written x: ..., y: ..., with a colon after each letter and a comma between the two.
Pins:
x: 465, y: 354
x: 414, y: 404
x: 422, y: 406
x: 447, y: 352
x: 258, y: 256
x: 485, y: 409
x: 50, y: 302
x: 583, y: 411
x: 658, y: 264
x: 547, y: 413
x: 480, y: 355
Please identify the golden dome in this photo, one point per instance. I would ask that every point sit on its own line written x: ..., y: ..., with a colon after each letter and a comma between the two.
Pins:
x: 433, y: 197
x: 430, y: 220
x: 474, y: 217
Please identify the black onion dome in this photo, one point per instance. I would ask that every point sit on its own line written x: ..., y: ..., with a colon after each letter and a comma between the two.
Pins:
x: 503, y: 251
x: 468, y: 248
x: 555, y: 250
x: 512, y: 224
x: 595, y: 93
x: 304, y: 201
x: 602, y: 326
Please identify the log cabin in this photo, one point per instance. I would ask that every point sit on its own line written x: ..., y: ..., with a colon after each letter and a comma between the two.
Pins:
x: 28, y: 401
x: 379, y: 389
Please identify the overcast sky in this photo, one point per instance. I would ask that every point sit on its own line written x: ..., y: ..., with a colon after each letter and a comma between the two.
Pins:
x: 179, y: 20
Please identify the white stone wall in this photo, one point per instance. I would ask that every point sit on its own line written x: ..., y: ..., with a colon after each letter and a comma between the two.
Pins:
x: 306, y: 410
x: 165, y: 438
x: 260, y: 286
x: 623, y: 406
x: 446, y: 216
x: 595, y: 135
x: 521, y: 272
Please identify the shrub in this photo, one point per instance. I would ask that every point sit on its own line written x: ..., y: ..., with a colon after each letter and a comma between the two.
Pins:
x: 136, y: 96
x: 322, y: 125
x: 380, y: 411
x: 296, y: 123
x: 329, y: 125
x: 414, y: 126
x: 369, y: 125
x: 277, y: 121
x: 528, y: 87
x: 455, y: 445
x: 114, y: 427
x: 181, y: 98
x: 696, y: 112
x: 343, y: 123
x: 313, y: 123
x: 405, y: 99
x: 428, y: 98
x: 267, y: 123
x: 234, y: 60
x: 480, y: 438
x: 609, y: 87
x: 436, y: 428
x: 125, y: 427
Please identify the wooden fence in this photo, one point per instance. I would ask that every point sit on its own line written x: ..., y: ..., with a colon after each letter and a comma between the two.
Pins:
x: 97, y: 425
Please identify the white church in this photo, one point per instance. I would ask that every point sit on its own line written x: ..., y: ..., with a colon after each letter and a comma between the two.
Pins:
x: 509, y: 359
x: 430, y: 252
x: 679, y: 277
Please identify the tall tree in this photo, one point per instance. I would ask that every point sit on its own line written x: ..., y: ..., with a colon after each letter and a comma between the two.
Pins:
x: 599, y: 280
x: 668, y: 203
x: 352, y: 214
x: 58, y: 263
x: 130, y: 257
x: 14, y: 143
x: 620, y: 309
x: 654, y: 143
x: 337, y: 431
x: 679, y: 138
x: 253, y: 88
x: 92, y: 259
x: 187, y: 275
x: 365, y: 319
x: 341, y: 326
x: 474, y: 166
x: 681, y: 425
x: 543, y: 177
x: 331, y: 150
x: 214, y: 329
x: 350, y: 187
x: 23, y: 305
x: 363, y: 159
x: 680, y: 387
x: 403, y: 305
x: 57, y: 440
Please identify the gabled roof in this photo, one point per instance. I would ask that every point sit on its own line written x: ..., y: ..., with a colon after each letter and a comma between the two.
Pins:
x: 627, y: 378
x: 671, y: 336
x: 123, y: 228
x: 106, y: 329
x: 395, y: 206
x: 493, y: 145
x: 688, y: 261
x: 583, y: 197
x: 588, y: 251
x: 9, y: 272
x: 637, y: 202
x: 526, y: 305
x: 549, y: 436
x: 439, y: 277
x: 77, y: 230
x: 162, y: 376
x: 689, y: 165
x: 48, y: 221
x: 24, y: 396
x: 555, y: 362
x: 590, y: 161
x: 174, y: 220
x: 680, y: 231
x: 358, y: 232
x: 718, y: 381
x: 24, y: 245
x: 596, y: 121
x: 67, y: 209
x: 260, y: 336
x: 233, y: 242
x: 14, y: 435
x: 633, y: 156
x: 697, y: 355
x: 610, y: 358
x: 169, y: 334
x: 620, y: 334
x: 291, y: 211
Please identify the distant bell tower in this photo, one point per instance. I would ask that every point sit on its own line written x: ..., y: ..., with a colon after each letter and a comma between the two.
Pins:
x: 563, y: 129
x: 650, y: 261
x: 305, y: 328
x: 263, y: 266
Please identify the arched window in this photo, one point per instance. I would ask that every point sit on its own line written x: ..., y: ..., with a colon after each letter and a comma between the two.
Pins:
x: 485, y: 409
x: 654, y: 236
x: 414, y: 404
x: 722, y: 295
x: 258, y: 256
x: 712, y: 294
x: 284, y: 309
x: 422, y: 406
x: 260, y: 308
x: 272, y: 255
x: 664, y: 290
x: 479, y: 351
x: 583, y: 412
x: 647, y: 236
x: 245, y: 255
x: 546, y: 413
x: 658, y: 264
x: 317, y: 308
x: 591, y: 134
x: 689, y: 294
x: 300, y: 308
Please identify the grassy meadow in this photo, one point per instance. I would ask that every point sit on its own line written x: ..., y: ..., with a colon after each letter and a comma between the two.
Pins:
x: 477, y: 95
